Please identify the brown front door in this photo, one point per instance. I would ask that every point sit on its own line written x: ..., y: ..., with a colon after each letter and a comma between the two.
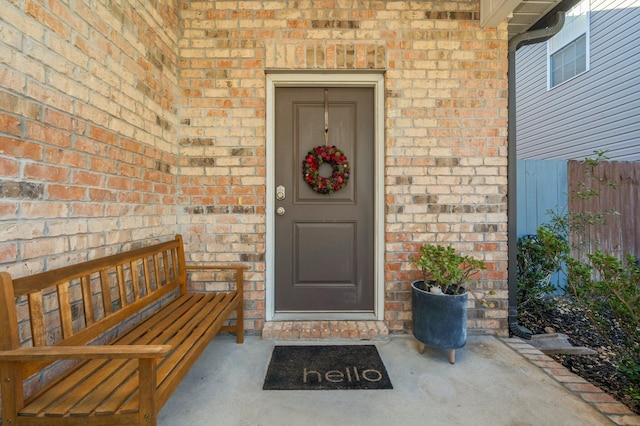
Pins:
x: 324, y: 256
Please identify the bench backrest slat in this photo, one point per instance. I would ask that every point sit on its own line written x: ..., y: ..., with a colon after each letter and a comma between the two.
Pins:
x: 147, y: 277
x: 36, y: 312
x: 64, y: 304
x: 156, y: 267
x: 105, y: 291
x: 121, y: 287
x: 165, y: 262
x: 135, y: 280
x: 85, y: 283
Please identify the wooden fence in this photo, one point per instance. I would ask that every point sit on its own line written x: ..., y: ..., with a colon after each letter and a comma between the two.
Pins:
x: 542, y: 186
x: 620, y: 234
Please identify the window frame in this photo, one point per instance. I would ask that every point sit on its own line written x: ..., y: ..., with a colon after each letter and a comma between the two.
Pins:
x: 576, y: 36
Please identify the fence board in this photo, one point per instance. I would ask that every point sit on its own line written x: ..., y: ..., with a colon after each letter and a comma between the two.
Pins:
x: 542, y: 186
x: 620, y: 233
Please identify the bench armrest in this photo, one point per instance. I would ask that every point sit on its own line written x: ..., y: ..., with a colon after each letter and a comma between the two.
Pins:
x: 52, y: 353
x: 236, y: 268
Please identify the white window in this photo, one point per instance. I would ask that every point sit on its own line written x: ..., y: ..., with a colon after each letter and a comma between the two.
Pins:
x: 568, y: 51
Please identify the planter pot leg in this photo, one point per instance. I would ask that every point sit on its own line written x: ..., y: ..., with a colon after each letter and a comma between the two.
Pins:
x: 452, y: 356
x: 421, y: 347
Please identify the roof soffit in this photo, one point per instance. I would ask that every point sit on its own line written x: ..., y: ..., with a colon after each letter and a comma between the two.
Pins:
x: 521, y: 15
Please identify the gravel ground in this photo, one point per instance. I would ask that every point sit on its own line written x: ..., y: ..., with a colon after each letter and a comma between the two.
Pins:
x: 560, y: 315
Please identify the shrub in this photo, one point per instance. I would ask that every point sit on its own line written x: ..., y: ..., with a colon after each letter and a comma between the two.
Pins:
x: 604, y: 286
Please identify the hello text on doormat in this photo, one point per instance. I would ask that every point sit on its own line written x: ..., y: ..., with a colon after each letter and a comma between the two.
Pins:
x: 326, y: 367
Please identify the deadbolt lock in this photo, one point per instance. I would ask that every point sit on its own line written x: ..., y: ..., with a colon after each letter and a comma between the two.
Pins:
x: 280, y: 193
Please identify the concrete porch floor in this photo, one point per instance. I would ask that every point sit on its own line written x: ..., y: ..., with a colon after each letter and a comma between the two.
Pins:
x: 494, y: 382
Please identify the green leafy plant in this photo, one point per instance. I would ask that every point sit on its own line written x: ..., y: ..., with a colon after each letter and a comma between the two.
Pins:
x: 445, y: 268
x: 610, y: 288
x: 549, y: 250
x: 630, y: 368
x: 538, y: 258
x: 604, y: 286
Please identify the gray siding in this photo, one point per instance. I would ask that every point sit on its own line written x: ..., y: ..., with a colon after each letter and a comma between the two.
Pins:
x: 598, y: 110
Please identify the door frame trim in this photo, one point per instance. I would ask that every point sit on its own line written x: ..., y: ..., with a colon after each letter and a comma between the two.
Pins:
x: 372, y: 79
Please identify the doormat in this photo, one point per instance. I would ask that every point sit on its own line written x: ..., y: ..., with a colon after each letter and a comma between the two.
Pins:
x: 326, y: 368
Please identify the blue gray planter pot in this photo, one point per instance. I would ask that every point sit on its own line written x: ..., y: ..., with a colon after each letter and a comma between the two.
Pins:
x: 439, y: 320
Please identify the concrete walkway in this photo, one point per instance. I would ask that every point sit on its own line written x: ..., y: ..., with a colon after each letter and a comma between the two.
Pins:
x: 492, y: 383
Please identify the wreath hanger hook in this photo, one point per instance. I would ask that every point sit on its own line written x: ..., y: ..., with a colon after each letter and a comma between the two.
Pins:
x: 326, y: 117
x: 331, y: 155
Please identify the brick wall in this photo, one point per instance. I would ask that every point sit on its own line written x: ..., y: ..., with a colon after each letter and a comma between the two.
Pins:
x: 446, y: 118
x: 126, y: 121
x: 88, y: 159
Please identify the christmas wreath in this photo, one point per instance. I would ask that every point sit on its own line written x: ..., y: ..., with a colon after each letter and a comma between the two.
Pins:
x: 325, y: 154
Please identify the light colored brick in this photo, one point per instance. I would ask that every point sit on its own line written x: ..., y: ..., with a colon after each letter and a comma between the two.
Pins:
x: 162, y: 84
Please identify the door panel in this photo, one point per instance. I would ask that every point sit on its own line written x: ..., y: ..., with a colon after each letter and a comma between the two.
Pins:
x: 338, y: 264
x: 324, y: 259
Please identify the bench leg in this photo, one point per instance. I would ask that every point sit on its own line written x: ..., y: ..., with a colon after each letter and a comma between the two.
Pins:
x: 240, y: 306
x: 240, y: 323
x: 147, y: 377
x: 12, y: 396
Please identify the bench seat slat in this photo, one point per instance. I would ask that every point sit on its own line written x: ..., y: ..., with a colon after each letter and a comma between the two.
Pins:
x: 110, y: 390
x: 96, y: 389
x: 101, y: 388
x: 72, y: 388
x: 161, y: 320
x: 173, y: 378
x: 192, y: 319
x: 172, y: 369
x: 213, y: 309
x: 95, y: 383
x: 185, y: 323
x: 39, y: 402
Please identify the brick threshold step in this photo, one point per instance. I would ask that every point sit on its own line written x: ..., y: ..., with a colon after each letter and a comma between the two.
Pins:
x: 325, y: 330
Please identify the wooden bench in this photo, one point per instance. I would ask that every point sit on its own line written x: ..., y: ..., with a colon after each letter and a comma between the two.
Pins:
x: 71, y: 313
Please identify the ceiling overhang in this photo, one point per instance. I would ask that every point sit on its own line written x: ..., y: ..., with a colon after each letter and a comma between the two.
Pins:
x: 521, y: 15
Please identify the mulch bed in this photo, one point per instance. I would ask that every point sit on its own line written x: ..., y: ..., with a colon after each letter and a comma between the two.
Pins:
x: 559, y: 314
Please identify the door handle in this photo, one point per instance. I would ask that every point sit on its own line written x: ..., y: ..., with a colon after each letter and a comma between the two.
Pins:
x: 280, y: 211
x: 280, y: 193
